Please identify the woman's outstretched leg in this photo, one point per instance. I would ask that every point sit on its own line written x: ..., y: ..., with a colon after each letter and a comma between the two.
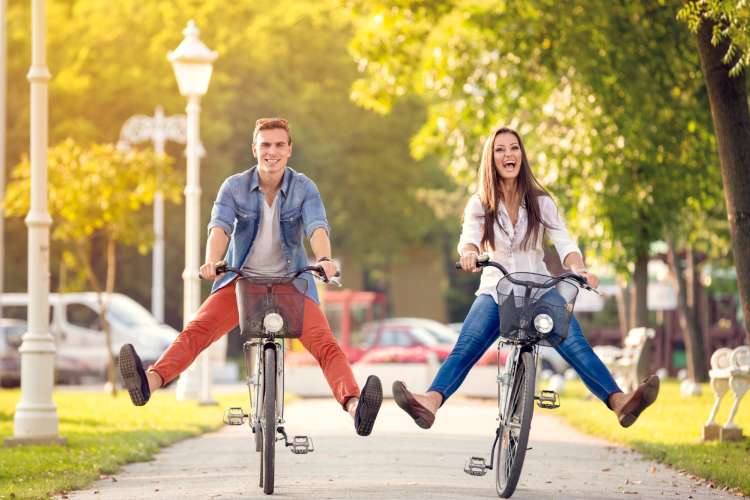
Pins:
x: 576, y: 350
x: 479, y: 331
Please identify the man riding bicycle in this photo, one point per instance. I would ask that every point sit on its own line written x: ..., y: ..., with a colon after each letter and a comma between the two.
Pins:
x: 257, y: 222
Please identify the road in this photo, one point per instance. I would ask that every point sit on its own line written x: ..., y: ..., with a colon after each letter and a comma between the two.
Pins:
x: 398, y: 461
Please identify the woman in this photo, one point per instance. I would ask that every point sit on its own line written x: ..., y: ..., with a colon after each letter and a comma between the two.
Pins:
x: 507, y: 219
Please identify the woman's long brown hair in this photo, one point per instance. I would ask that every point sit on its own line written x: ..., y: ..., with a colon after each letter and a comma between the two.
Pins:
x: 490, y: 193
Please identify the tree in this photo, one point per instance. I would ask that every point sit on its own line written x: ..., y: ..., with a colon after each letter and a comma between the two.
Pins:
x: 608, y: 92
x: 723, y: 40
x: 109, y: 62
x: 609, y: 95
x: 107, y: 200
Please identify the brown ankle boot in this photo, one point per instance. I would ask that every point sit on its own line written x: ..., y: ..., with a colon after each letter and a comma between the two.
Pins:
x: 637, y: 401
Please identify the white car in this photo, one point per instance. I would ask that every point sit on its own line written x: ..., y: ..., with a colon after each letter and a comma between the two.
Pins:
x: 74, y: 324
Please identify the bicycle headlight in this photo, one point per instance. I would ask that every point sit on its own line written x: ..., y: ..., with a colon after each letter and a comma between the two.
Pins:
x: 273, y: 322
x: 543, y: 323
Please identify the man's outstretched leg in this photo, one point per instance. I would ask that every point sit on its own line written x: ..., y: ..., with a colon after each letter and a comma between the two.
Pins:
x: 216, y: 316
x: 319, y: 341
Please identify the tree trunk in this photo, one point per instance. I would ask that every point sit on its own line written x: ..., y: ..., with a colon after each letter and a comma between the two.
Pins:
x: 692, y: 334
x: 85, y: 261
x: 639, y: 310
x: 623, y: 308
x: 104, y: 307
x: 731, y: 119
x: 639, y: 300
x: 698, y: 311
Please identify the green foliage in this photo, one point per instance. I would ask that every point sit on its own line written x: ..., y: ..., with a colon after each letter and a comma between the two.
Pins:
x: 732, y: 19
x: 608, y: 96
x: 108, y: 195
x: 288, y: 58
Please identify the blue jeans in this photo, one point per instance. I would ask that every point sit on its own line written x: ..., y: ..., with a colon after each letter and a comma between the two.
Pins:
x: 481, y: 329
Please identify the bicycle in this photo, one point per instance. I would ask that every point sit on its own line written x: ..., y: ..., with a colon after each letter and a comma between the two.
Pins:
x: 270, y: 311
x: 538, y: 316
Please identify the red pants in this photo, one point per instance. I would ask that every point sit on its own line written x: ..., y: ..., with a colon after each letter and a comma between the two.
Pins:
x: 218, y: 315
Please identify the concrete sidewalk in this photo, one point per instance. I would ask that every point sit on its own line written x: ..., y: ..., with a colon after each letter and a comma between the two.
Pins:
x: 399, y: 461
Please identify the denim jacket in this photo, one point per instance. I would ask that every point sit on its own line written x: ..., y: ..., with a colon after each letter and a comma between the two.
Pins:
x: 237, y: 211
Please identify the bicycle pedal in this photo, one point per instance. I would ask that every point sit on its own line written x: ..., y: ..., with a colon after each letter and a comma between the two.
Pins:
x: 302, y: 445
x: 548, y: 400
x: 234, y: 416
x: 476, y: 466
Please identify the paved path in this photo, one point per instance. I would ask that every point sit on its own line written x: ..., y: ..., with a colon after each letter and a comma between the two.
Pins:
x: 399, y: 461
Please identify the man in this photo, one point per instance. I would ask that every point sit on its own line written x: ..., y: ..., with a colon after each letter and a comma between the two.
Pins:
x: 258, y: 220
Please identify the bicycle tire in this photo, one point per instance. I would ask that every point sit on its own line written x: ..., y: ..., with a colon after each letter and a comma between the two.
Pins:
x: 511, y: 447
x: 269, y: 419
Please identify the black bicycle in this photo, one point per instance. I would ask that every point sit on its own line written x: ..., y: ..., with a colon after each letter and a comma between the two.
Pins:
x: 535, y: 310
x: 271, y: 310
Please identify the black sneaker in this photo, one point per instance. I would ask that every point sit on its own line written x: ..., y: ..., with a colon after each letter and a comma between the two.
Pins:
x: 134, y: 376
x: 370, y: 400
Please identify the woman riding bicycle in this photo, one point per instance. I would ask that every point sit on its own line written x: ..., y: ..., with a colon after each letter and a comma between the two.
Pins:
x: 507, y: 219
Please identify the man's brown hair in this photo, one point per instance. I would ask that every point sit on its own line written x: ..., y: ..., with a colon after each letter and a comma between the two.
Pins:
x: 269, y: 123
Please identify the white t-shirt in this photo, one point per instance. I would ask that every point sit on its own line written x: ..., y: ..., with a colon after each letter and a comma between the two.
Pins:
x: 266, y: 256
x: 508, y: 251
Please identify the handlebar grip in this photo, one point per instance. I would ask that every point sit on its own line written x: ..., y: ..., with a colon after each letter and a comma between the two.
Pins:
x: 481, y: 261
x: 221, y: 268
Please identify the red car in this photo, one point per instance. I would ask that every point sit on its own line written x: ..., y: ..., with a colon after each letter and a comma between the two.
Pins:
x: 400, y: 340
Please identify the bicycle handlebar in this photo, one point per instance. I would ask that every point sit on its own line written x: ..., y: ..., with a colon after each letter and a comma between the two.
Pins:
x: 222, y: 267
x: 484, y: 261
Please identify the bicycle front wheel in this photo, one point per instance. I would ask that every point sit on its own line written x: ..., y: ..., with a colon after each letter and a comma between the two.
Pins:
x: 269, y: 419
x: 514, y: 432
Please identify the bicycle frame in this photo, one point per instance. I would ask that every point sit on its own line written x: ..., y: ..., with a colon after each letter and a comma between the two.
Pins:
x: 253, y: 351
x: 507, y: 374
x: 517, y: 391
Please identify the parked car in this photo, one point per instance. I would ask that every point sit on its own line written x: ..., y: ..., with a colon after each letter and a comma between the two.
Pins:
x: 393, y: 341
x: 79, y: 338
x: 11, y: 331
x: 67, y: 370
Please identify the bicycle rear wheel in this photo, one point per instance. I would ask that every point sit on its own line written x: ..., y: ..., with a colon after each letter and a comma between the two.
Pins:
x: 514, y: 433
x: 269, y: 419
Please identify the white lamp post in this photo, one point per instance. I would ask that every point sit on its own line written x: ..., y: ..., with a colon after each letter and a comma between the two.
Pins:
x: 3, y: 120
x: 193, y: 63
x: 36, y: 419
x: 158, y: 129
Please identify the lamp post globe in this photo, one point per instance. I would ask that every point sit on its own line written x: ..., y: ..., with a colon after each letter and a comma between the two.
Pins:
x: 192, y: 62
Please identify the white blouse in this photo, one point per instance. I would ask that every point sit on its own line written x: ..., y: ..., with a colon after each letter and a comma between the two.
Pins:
x: 508, y: 250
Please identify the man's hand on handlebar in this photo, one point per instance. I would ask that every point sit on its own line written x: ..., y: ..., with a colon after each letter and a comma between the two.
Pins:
x: 331, y: 268
x: 208, y: 270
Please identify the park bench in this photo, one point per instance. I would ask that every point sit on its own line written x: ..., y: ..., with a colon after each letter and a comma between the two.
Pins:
x: 730, y: 369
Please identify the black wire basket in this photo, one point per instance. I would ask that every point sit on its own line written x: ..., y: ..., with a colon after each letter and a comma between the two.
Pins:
x: 257, y: 297
x: 526, y: 310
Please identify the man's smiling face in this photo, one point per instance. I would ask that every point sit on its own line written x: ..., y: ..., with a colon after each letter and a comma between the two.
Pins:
x: 272, y: 149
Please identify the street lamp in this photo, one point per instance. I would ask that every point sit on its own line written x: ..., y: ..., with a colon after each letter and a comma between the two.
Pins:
x: 158, y: 129
x: 192, y: 62
x: 36, y: 419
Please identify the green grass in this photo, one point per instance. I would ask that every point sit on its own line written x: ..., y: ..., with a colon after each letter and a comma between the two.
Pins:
x: 103, y: 433
x: 670, y: 431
